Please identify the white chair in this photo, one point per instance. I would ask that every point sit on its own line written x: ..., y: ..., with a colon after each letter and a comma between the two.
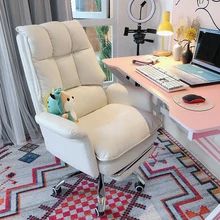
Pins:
x: 115, y: 133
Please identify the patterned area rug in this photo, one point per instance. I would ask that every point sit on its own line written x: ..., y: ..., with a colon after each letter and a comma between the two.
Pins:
x: 179, y: 186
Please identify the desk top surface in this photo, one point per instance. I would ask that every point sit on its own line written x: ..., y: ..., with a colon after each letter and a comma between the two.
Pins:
x: 193, y: 121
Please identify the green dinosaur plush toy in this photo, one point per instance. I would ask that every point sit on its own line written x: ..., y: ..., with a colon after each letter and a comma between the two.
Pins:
x: 59, y: 103
x: 54, y: 102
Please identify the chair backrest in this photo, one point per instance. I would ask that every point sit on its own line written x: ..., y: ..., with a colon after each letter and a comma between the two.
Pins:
x: 57, y: 55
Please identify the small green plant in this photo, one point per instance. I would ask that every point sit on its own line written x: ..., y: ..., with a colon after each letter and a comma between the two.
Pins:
x: 98, y: 4
x: 105, y: 45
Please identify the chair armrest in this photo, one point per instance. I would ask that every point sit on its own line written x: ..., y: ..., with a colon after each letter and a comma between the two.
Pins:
x: 59, y: 125
x: 65, y: 140
x: 129, y: 95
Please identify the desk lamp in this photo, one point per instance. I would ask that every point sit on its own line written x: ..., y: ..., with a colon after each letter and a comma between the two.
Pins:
x: 165, y: 29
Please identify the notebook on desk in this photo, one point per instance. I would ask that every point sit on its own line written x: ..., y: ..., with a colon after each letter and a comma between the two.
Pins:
x: 205, y: 66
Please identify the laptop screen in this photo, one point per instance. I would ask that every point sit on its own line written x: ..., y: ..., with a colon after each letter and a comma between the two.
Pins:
x: 207, y: 52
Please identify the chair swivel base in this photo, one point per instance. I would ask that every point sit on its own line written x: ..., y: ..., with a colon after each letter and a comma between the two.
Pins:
x: 100, y: 209
x: 101, y: 205
x: 139, y: 186
x: 57, y: 190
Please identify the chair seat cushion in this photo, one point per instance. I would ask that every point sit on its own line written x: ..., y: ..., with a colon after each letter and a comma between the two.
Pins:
x: 114, y: 129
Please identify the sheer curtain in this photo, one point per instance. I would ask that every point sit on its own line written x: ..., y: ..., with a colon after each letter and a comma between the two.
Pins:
x: 16, y: 109
x: 15, y: 116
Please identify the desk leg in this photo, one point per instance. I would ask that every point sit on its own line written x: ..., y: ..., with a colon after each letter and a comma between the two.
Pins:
x: 158, y: 105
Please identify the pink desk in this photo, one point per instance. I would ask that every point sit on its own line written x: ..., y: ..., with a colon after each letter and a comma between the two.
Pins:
x: 198, y: 124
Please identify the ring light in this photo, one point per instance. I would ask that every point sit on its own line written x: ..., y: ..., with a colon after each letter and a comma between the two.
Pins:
x: 153, y: 8
x: 139, y: 33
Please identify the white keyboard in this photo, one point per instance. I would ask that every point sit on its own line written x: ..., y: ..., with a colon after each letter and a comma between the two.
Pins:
x: 161, y: 78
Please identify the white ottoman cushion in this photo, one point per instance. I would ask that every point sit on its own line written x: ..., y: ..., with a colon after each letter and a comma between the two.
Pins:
x: 114, y: 130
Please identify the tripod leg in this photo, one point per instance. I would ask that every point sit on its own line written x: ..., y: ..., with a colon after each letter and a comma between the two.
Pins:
x: 138, y: 49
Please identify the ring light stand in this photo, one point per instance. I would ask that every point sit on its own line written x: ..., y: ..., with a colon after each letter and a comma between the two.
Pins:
x: 139, y: 33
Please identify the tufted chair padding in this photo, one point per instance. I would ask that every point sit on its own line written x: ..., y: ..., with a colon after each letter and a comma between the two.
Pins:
x: 63, y: 57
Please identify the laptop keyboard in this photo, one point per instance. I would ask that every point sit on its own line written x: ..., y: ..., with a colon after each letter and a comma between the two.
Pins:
x: 199, y: 72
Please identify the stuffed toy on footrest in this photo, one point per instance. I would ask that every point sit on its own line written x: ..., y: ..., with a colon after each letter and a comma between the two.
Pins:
x: 60, y: 103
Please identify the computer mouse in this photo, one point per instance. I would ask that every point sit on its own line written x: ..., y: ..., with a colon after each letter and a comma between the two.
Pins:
x: 193, y: 98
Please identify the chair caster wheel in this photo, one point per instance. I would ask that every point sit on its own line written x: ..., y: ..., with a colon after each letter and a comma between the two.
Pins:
x: 56, y: 191
x: 139, y: 186
x: 98, y: 213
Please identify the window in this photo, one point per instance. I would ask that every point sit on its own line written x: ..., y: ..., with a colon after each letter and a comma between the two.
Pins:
x: 97, y: 27
x: 101, y: 39
x: 90, y: 8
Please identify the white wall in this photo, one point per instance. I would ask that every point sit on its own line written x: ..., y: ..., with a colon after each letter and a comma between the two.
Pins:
x: 205, y: 11
x: 124, y: 45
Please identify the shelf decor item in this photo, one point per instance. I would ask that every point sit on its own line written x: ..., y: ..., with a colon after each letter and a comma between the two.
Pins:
x: 185, y: 37
x: 187, y: 55
x: 177, y: 51
x: 190, y: 35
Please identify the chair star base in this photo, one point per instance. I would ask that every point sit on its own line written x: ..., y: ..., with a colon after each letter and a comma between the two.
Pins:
x: 57, y: 189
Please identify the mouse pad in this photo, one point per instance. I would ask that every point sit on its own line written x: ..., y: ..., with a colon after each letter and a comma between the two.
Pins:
x: 204, y: 106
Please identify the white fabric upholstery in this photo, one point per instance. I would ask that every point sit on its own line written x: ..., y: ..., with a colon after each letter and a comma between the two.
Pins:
x: 60, y: 55
x: 87, y: 99
x: 68, y: 70
x: 110, y: 133
x: 38, y: 41
x: 79, y: 39
x: 57, y: 32
x: 59, y: 125
x: 89, y: 69
x: 114, y: 130
x: 30, y: 74
x: 111, y: 167
x: 77, y: 152
x: 129, y: 95
x: 48, y: 76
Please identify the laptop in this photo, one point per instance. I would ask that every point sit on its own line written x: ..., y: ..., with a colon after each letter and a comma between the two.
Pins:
x: 205, y: 66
